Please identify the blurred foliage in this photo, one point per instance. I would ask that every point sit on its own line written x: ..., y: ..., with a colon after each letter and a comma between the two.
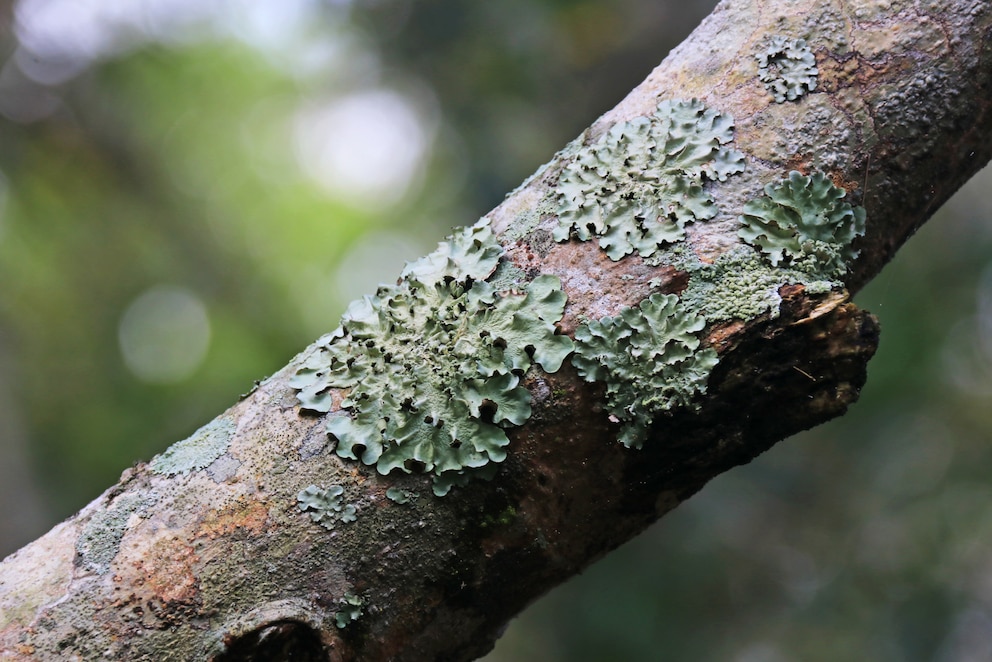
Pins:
x: 197, y: 156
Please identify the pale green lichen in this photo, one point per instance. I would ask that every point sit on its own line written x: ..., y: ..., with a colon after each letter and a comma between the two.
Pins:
x: 100, y: 539
x: 507, y: 276
x: 470, y: 254
x: 741, y: 285
x: 525, y: 222
x: 787, y: 67
x: 434, y: 363
x: 738, y: 285
x: 460, y: 478
x: 325, y: 506
x: 804, y: 223
x: 351, y: 609
x: 642, y: 182
x: 650, y: 360
x: 400, y: 496
x: 198, y: 451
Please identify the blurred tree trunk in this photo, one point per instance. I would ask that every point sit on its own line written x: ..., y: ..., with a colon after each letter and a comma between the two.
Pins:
x: 217, y: 561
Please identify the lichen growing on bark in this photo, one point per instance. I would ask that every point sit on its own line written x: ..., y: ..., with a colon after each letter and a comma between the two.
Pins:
x: 198, y: 451
x: 434, y: 363
x: 650, y: 360
x: 787, y: 67
x: 803, y: 222
x: 642, y: 182
x: 325, y: 506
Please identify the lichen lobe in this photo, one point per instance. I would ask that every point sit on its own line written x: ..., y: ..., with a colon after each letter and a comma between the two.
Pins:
x: 325, y: 506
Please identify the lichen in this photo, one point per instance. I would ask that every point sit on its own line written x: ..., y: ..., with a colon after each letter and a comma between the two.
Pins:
x: 400, y: 496
x: 787, y: 67
x: 460, y: 478
x: 642, y: 182
x: 434, y: 363
x: 325, y: 506
x: 650, y: 360
x: 741, y: 285
x: 351, y: 609
x: 527, y: 220
x: 100, y: 539
x: 198, y: 451
x: 507, y: 276
x: 803, y: 222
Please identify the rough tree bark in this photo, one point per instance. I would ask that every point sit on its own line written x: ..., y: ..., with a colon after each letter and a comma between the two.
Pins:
x: 205, y: 553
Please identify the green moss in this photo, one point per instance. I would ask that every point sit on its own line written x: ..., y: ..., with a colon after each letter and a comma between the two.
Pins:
x: 650, y: 360
x: 325, y: 506
x: 787, y: 67
x: 198, y: 451
x: 642, y: 182
x: 100, y: 539
x: 803, y: 222
x: 434, y: 363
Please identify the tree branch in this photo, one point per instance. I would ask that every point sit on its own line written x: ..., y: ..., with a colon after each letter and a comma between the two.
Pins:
x: 213, y: 550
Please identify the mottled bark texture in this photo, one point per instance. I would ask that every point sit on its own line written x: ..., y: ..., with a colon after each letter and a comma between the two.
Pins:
x: 218, y: 562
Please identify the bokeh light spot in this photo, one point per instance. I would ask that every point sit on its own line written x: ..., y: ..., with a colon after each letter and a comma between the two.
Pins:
x: 365, y: 148
x: 373, y: 260
x: 164, y: 335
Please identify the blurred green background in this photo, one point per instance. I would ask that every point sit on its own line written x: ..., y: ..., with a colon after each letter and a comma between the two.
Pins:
x: 192, y: 190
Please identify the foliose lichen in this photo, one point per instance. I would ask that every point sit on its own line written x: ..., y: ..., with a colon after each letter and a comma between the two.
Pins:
x: 198, y: 451
x: 325, y: 506
x: 787, y: 67
x: 434, y: 363
x: 400, y: 496
x: 642, y: 182
x: 650, y: 359
x: 803, y: 222
x: 351, y: 609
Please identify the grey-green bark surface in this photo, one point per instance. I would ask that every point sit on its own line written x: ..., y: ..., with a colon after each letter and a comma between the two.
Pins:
x: 206, y: 549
